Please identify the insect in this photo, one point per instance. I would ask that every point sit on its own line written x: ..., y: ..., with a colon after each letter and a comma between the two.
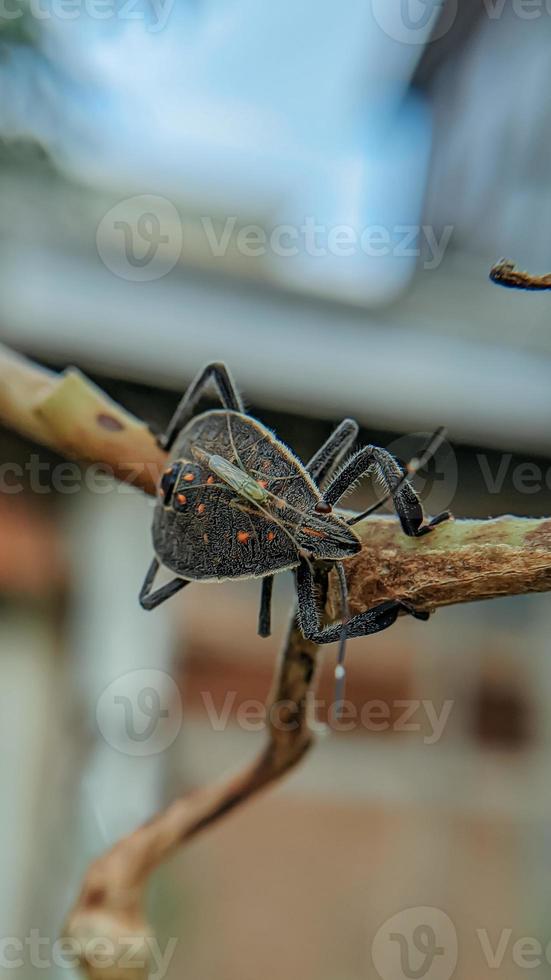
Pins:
x: 235, y: 503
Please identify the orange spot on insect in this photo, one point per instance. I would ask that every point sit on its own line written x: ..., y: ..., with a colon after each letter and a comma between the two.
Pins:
x: 200, y: 508
x: 206, y: 538
x: 189, y: 477
x: 243, y: 537
x: 181, y: 498
x: 263, y: 484
x: 312, y: 533
x: 271, y: 535
x: 210, y: 479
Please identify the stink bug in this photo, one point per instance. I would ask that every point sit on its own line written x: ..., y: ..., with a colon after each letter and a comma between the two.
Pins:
x: 235, y: 503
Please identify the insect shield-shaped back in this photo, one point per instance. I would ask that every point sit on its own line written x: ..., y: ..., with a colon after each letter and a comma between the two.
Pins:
x: 237, y: 504
x: 204, y: 530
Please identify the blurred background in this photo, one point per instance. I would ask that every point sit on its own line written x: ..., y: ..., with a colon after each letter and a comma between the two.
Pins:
x: 313, y: 193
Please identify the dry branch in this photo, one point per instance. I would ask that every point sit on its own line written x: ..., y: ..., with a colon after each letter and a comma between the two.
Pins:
x: 110, y: 904
x: 461, y: 561
x: 458, y: 562
x: 505, y: 273
x: 68, y: 413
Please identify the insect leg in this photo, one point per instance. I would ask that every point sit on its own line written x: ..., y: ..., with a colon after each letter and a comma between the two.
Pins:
x: 229, y: 396
x: 412, y: 467
x: 320, y: 467
x: 265, y: 614
x: 330, y: 454
x: 372, y: 621
x: 149, y: 599
x: 396, y: 485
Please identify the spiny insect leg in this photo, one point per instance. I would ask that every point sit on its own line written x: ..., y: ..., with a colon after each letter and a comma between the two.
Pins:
x: 395, y: 483
x: 372, y: 621
x: 150, y: 600
x: 411, y: 468
x: 265, y: 614
x: 407, y: 504
x: 330, y: 454
x: 229, y: 396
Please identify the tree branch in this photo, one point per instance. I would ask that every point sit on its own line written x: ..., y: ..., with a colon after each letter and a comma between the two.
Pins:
x: 110, y: 905
x: 505, y: 273
x: 68, y: 413
x: 461, y: 561
x: 458, y: 562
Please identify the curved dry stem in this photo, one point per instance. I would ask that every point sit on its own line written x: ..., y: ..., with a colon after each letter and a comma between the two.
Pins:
x: 505, y: 273
x: 76, y: 418
x: 110, y: 905
x: 461, y: 561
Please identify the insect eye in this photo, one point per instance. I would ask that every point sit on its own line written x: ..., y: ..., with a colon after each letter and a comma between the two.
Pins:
x: 168, y: 482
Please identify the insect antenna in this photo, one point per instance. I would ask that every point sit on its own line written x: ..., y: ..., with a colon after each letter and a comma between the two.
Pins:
x: 340, y: 670
x: 233, y: 446
x: 411, y: 469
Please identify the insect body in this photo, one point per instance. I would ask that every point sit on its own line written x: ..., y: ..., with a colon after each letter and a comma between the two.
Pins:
x: 235, y: 502
x: 244, y: 511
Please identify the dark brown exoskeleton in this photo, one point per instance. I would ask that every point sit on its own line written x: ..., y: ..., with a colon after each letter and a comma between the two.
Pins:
x: 235, y: 503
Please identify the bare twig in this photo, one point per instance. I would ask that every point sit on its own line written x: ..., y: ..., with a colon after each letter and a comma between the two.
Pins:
x: 458, y: 562
x: 110, y: 904
x: 505, y: 273
x: 461, y: 561
x: 71, y: 415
